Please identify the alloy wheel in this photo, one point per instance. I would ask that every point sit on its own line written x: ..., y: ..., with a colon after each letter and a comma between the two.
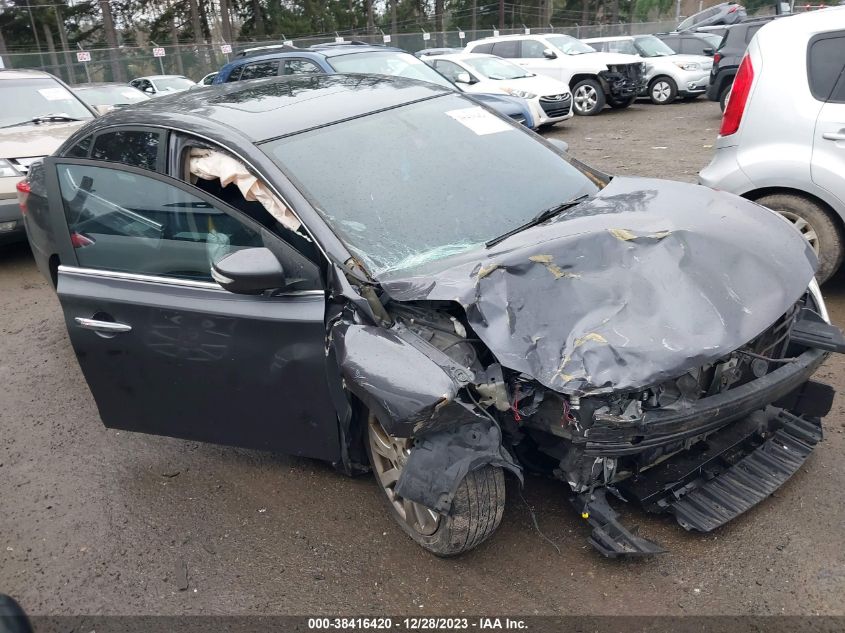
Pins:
x: 585, y: 98
x: 805, y: 228
x: 389, y: 455
x: 661, y: 91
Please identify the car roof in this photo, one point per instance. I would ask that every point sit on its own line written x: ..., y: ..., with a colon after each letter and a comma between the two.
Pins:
x: 458, y: 57
x: 159, y: 77
x: 811, y: 22
x: 102, y: 84
x: 315, y: 53
x: 610, y: 39
x: 263, y: 109
x: 516, y: 36
x: 9, y: 73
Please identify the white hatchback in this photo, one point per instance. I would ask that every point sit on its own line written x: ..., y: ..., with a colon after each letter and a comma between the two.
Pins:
x: 550, y: 100
x: 782, y: 139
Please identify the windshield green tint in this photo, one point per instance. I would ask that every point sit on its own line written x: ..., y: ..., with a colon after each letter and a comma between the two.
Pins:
x: 425, y: 181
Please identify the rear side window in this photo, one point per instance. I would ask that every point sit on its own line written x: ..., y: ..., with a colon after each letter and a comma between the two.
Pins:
x: 506, y: 49
x: 532, y: 48
x: 826, y: 66
x: 751, y: 32
x: 301, y: 67
x: 128, y: 147
x: 260, y: 70
x: 672, y: 42
x: 483, y: 48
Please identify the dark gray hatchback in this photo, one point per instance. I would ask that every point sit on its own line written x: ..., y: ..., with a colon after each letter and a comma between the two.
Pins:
x: 386, y: 275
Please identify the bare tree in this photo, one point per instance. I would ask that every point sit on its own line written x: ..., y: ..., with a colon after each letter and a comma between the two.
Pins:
x: 393, y: 4
x: 117, y: 70
x: 60, y: 24
x: 371, y: 23
x: 225, y: 21
x: 259, y: 19
x: 474, y: 20
x: 51, y: 47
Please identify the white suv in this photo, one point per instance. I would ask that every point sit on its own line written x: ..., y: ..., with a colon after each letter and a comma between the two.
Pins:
x: 668, y: 75
x: 594, y: 78
x: 785, y: 148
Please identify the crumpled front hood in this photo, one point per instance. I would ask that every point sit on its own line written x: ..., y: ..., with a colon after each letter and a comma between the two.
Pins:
x: 638, y: 285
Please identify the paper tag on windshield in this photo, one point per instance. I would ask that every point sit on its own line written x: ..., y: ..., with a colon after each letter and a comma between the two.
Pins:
x: 479, y: 120
x: 54, y: 94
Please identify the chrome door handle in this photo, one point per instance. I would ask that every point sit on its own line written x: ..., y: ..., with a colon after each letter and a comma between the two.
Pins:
x: 102, y: 326
x: 834, y: 136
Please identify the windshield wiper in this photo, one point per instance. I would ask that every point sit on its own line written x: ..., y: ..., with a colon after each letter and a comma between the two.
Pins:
x: 44, y: 119
x: 541, y: 217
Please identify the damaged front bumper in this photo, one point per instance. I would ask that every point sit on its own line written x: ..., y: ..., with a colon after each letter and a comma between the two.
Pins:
x: 666, y: 428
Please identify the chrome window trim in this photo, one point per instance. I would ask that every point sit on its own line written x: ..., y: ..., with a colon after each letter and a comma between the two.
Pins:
x: 225, y: 148
x: 170, y: 281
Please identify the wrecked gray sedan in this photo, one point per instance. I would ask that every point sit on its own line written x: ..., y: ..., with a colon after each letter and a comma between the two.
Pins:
x: 386, y: 275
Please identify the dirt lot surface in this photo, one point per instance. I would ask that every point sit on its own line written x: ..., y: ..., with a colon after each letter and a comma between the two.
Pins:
x: 97, y: 521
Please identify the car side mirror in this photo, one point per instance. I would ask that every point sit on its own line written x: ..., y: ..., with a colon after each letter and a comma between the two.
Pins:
x: 103, y: 109
x: 249, y: 271
x: 150, y: 90
x: 561, y: 145
x: 463, y: 78
x: 709, y: 52
x: 549, y: 54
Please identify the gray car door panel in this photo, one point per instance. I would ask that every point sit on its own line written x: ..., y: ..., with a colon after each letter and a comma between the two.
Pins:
x: 182, y: 357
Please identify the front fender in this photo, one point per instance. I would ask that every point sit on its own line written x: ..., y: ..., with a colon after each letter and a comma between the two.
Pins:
x: 440, y: 460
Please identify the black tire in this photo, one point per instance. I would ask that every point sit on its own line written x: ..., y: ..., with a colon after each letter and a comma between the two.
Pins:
x: 723, y: 98
x: 819, y: 222
x: 620, y: 104
x: 662, y: 90
x: 476, y: 512
x: 587, y: 97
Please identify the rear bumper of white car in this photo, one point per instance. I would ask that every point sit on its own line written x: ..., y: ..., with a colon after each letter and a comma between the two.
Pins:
x: 724, y: 172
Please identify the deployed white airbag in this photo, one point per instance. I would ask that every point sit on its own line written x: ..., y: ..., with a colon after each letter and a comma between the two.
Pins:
x: 210, y: 165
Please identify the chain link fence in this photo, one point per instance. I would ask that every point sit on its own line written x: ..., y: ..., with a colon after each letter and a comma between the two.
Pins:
x: 195, y: 61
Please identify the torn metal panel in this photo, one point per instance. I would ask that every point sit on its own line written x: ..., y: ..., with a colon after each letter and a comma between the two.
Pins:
x: 440, y: 460
x: 638, y: 285
x: 407, y: 390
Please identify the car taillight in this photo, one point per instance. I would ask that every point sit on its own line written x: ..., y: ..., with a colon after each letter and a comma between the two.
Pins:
x: 738, y: 98
x: 733, y: 9
x: 717, y: 57
x: 79, y: 240
x: 23, y: 193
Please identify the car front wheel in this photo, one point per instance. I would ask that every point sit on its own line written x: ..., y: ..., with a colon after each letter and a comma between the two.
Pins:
x: 477, y: 506
x: 816, y: 225
x: 662, y: 90
x: 587, y: 97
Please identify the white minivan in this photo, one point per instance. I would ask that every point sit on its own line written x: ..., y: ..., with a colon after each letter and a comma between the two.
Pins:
x: 785, y: 148
x: 594, y: 78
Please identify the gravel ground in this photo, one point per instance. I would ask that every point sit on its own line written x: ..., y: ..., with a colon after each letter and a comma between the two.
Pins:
x: 95, y: 521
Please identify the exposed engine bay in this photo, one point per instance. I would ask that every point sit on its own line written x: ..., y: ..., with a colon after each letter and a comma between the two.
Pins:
x: 592, y: 443
x: 611, y: 359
